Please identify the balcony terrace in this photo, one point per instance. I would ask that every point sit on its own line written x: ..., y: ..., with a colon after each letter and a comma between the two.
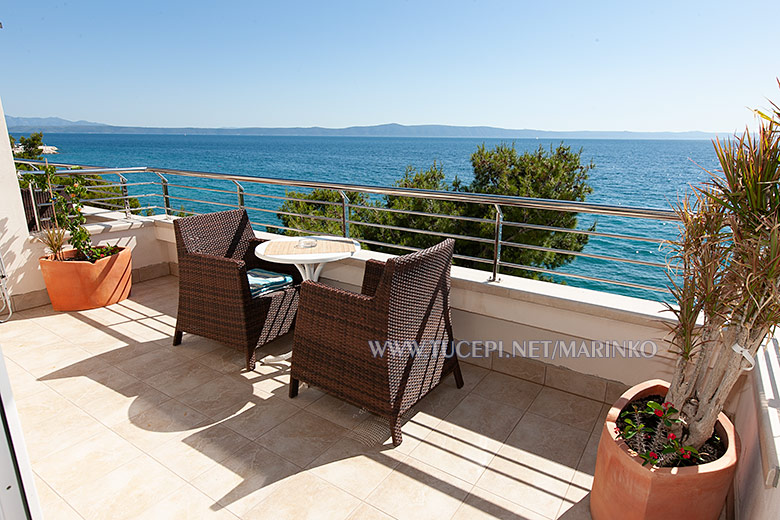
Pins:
x: 118, y: 423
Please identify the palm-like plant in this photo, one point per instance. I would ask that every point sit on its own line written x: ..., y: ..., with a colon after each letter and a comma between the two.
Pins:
x: 725, y: 277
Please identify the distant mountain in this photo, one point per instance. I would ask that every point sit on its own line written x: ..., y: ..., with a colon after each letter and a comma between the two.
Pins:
x: 46, y: 122
x: 22, y: 125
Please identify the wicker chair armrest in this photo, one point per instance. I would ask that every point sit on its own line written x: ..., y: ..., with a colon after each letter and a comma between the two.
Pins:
x: 348, y: 320
x: 334, y: 300
x: 372, y: 276
x: 215, y: 278
x: 217, y: 263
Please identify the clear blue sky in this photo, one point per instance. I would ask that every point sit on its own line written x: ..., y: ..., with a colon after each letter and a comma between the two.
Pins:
x: 640, y: 66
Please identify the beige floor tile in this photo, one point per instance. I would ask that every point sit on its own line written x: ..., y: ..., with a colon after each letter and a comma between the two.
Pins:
x: 221, y: 397
x: 86, y: 462
x: 320, y: 501
x: 130, y: 350
x: 575, y: 510
x: 367, y: 512
x: 302, y: 438
x: 306, y: 395
x: 100, y: 342
x: 599, y: 424
x: 146, y: 329
x: 187, y: 503
x: 23, y: 384
x: 272, y: 378
x: 80, y: 382
x: 168, y: 421
x: 182, y: 378
x: 25, y: 338
x: 125, y: 492
x: 576, y: 383
x: 354, y: 467
x: 193, y: 346
x: 112, y: 315
x: 472, y: 376
x: 153, y: 362
x: 66, y: 427
x: 553, y: 441
x: 508, y: 390
x: 566, y: 408
x: 483, y: 505
x: 20, y: 327
x: 41, y: 407
x: 245, y: 478
x: 443, y: 399
x: 52, y: 505
x: 260, y: 415
x: 199, y: 451
x: 224, y: 359
x: 465, y: 441
x: 112, y: 407
x: 416, y: 490
x: 536, y: 465
x: 337, y: 411
x: 47, y: 359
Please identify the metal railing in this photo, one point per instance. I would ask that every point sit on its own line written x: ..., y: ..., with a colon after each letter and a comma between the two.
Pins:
x: 164, y: 201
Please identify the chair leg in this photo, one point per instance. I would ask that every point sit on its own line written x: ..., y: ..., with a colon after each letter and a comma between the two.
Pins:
x: 177, y: 337
x: 293, y: 387
x: 458, y: 376
x: 395, y: 425
x: 251, y: 360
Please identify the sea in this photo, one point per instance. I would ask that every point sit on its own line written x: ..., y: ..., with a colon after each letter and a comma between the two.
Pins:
x: 638, y: 173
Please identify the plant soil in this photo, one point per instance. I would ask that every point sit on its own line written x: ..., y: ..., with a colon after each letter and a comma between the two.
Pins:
x: 97, y: 253
x: 712, y: 450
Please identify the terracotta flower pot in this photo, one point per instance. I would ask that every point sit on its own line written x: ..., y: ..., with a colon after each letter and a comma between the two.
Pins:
x: 79, y: 285
x: 623, y: 488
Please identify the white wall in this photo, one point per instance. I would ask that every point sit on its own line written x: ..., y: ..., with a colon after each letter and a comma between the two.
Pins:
x: 21, y: 262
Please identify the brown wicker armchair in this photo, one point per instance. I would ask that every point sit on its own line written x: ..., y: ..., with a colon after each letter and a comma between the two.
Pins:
x: 404, y: 305
x: 215, y: 298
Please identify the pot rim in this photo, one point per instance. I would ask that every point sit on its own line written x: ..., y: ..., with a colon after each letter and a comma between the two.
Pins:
x: 650, y: 387
x: 50, y: 258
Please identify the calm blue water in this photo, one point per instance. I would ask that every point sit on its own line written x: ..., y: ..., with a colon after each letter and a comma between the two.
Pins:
x: 641, y: 173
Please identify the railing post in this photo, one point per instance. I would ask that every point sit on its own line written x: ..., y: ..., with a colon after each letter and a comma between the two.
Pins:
x: 344, y: 216
x: 240, y: 193
x: 35, y: 208
x: 166, y: 198
x: 125, y: 196
x: 497, y: 242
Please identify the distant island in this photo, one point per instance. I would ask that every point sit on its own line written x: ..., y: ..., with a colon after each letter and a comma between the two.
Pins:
x: 26, y: 125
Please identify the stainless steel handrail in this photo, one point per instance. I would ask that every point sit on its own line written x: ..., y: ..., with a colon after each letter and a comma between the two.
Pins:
x: 452, y: 196
x: 499, y: 202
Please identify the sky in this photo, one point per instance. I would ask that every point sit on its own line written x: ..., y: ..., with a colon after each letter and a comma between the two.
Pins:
x: 556, y: 65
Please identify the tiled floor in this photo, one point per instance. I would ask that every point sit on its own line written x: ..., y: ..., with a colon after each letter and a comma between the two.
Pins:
x: 120, y: 424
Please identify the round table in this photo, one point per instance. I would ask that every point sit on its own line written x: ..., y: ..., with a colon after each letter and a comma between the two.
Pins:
x: 308, y: 260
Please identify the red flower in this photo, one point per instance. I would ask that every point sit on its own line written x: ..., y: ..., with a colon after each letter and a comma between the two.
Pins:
x: 687, y: 455
x: 617, y: 430
x: 659, y: 413
x: 682, y: 450
x: 667, y: 404
x: 672, y: 436
x: 653, y: 455
x: 647, y: 436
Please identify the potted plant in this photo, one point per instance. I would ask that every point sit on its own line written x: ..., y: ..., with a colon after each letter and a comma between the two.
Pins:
x: 666, y: 449
x: 86, y: 276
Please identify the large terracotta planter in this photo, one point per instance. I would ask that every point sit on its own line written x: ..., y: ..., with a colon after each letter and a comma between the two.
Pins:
x: 624, y: 489
x: 80, y: 285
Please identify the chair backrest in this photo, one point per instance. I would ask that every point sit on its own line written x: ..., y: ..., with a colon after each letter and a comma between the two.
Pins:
x: 418, y: 290
x: 224, y: 233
